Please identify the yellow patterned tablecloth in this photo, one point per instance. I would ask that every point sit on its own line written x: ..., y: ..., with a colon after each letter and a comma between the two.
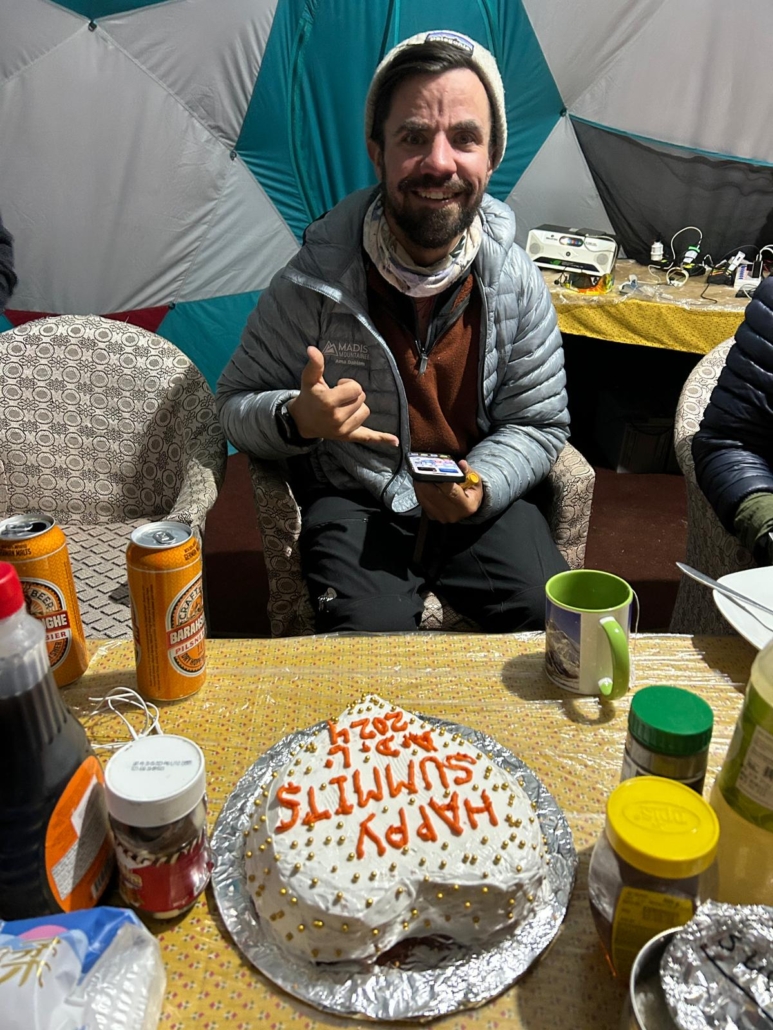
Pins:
x: 259, y: 690
x: 654, y: 315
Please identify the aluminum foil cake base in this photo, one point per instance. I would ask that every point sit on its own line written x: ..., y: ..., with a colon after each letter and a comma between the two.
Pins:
x: 430, y: 980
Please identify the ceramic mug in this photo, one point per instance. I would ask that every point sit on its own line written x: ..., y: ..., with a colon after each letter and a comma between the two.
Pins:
x: 587, y: 623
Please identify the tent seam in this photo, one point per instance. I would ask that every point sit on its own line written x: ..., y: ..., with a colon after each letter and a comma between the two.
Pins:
x: 162, y: 85
x: 618, y: 57
x: 205, y: 234
x: 229, y: 149
x: 714, y: 154
x: 31, y: 64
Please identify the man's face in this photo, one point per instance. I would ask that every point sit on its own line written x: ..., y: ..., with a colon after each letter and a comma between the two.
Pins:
x: 435, y: 163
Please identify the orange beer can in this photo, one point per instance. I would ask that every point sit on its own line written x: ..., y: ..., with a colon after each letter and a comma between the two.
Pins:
x: 36, y: 546
x: 163, y: 562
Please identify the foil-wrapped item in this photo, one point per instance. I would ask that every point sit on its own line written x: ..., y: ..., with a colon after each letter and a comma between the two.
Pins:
x: 718, y: 970
x: 432, y: 978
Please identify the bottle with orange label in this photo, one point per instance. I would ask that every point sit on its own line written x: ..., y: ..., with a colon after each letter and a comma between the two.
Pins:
x: 56, y: 852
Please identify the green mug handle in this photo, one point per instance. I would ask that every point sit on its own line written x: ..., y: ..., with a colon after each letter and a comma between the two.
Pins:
x: 621, y: 662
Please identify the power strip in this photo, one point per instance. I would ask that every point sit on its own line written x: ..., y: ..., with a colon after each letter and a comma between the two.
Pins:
x: 745, y: 282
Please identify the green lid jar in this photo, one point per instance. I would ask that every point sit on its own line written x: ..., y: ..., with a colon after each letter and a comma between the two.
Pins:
x: 669, y: 731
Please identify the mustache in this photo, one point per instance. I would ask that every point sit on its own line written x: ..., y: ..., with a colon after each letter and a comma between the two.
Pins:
x: 462, y: 187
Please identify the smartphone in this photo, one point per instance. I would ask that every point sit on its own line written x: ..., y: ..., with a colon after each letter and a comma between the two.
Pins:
x: 434, y: 468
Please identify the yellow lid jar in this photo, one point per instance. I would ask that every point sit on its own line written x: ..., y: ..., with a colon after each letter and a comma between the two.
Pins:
x: 653, y: 865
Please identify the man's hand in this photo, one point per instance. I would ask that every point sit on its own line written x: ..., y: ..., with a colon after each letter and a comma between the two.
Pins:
x: 450, y: 502
x: 332, y: 413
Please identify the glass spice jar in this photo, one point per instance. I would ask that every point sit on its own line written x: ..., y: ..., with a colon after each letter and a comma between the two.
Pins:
x: 155, y: 788
x: 653, y: 865
x: 669, y: 731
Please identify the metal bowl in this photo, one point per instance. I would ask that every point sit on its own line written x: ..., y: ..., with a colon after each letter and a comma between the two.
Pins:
x: 645, y: 1007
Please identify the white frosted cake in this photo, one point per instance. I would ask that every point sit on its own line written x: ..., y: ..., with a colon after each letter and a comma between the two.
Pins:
x: 384, y: 828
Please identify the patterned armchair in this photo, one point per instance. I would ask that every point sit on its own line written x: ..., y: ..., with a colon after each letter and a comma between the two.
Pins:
x: 565, y: 498
x: 710, y: 548
x: 104, y: 426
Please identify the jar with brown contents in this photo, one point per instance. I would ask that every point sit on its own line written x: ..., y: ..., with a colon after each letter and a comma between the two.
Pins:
x: 155, y: 791
x: 653, y: 865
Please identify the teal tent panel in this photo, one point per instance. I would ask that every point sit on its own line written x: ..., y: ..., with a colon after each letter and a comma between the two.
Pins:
x: 208, y: 331
x: 5, y: 324
x: 95, y: 9
x: 303, y: 137
x: 534, y: 104
x: 533, y: 101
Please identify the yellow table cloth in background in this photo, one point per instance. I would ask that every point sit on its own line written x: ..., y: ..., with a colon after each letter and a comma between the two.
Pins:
x: 257, y: 691
x: 662, y: 316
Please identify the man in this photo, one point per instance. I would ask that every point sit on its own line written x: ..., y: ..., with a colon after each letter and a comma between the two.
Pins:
x: 733, y: 448
x: 7, y: 274
x: 411, y: 321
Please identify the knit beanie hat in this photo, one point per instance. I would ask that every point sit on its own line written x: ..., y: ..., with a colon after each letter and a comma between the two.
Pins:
x: 485, y: 67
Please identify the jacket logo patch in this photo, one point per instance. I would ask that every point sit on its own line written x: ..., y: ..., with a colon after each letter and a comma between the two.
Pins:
x: 346, y: 353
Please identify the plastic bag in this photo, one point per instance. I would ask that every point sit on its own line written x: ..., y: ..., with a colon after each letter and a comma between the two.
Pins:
x: 98, y: 969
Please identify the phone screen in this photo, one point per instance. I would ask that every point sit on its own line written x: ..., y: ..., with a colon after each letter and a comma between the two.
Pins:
x: 435, y: 468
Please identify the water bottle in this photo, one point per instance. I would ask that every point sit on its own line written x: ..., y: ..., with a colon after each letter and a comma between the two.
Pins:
x: 56, y: 852
x: 742, y: 795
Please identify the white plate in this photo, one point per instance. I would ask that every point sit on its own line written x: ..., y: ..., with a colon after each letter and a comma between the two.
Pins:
x: 752, y: 623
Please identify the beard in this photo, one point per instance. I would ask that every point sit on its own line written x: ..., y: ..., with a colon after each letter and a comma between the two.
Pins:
x: 432, y: 229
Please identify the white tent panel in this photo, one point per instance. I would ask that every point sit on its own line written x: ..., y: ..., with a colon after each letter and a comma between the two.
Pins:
x: 581, y: 38
x: 121, y: 219
x: 207, y: 54
x: 682, y: 81
x: 557, y: 188
x: 29, y: 29
x: 246, y: 242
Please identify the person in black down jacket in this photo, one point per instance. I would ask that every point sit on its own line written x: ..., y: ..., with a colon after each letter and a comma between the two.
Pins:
x: 7, y: 275
x: 733, y: 449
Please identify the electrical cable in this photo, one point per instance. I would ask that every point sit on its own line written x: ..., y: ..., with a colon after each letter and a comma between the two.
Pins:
x: 677, y: 270
x: 125, y: 696
x: 678, y: 232
x: 703, y: 296
x: 653, y: 270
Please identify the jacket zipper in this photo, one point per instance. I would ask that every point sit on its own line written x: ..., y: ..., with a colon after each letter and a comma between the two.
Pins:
x: 434, y: 335
x: 340, y: 297
x: 482, y: 346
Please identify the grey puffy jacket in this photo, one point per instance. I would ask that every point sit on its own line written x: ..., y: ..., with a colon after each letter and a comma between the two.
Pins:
x: 320, y: 299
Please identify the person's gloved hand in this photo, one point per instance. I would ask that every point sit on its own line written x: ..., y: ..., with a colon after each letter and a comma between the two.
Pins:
x: 752, y: 525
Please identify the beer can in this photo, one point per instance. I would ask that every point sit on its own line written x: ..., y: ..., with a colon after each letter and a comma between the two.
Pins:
x: 36, y: 546
x: 163, y: 562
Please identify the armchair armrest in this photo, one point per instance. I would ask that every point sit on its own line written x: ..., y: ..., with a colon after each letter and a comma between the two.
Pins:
x: 279, y: 519
x: 568, y: 498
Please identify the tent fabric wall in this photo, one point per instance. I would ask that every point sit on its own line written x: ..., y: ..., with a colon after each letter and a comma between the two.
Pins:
x: 161, y: 158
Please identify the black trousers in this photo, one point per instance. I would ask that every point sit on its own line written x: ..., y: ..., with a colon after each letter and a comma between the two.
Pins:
x: 360, y: 563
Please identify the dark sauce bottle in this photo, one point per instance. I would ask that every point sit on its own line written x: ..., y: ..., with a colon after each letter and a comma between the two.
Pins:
x: 55, y: 847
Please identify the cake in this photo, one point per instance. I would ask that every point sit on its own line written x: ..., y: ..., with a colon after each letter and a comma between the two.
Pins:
x: 384, y: 827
